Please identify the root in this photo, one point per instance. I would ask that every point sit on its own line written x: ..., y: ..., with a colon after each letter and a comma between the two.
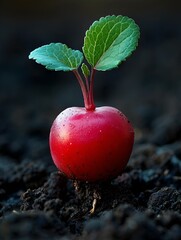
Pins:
x: 93, y: 206
x: 87, y: 191
x: 96, y: 196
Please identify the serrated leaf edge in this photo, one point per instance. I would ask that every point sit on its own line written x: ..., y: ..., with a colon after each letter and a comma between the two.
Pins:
x: 136, y: 32
x: 71, y: 68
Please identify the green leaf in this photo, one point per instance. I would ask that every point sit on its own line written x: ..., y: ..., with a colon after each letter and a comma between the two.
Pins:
x: 109, y: 41
x: 85, y: 70
x: 57, y: 56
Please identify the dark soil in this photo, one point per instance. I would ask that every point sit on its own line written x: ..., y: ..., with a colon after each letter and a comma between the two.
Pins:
x: 144, y: 202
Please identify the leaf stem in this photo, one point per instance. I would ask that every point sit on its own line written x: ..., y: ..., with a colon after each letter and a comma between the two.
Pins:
x: 87, y: 84
x: 91, y: 93
x: 85, y: 92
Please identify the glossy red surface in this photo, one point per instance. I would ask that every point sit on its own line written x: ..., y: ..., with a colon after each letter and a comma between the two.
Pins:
x: 91, y: 145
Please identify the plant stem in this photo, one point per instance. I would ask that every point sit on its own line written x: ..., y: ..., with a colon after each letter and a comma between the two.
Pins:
x: 85, y: 92
x: 91, y: 94
x: 87, y: 84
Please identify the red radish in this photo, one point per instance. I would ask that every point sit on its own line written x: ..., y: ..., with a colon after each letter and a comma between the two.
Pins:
x: 92, y: 144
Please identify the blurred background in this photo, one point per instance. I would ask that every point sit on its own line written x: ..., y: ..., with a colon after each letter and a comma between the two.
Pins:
x: 144, y: 87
